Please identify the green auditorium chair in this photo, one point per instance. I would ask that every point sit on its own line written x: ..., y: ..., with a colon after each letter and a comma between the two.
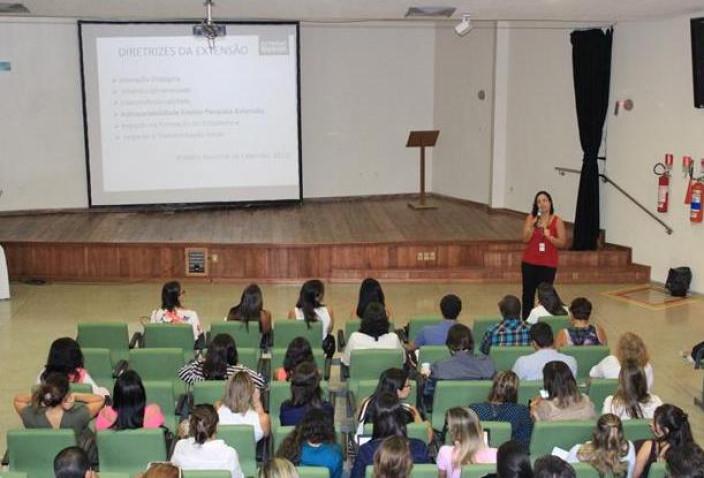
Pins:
x: 202, y: 474
x: 416, y: 324
x: 529, y: 389
x: 105, y: 335
x: 169, y: 336
x: 249, y: 357
x: 480, y: 326
x: 477, y: 470
x: 505, y: 356
x: 557, y: 323
x: 638, y: 429
x: 81, y: 388
x: 161, y: 364
x: 658, y: 470
x: 99, y: 365
x: 419, y: 431
x: 278, y: 433
x: 245, y: 335
x: 15, y: 474
x: 286, y: 330
x: 431, y: 354
x: 584, y: 470
x: 208, y: 391
x: 241, y: 438
x: 599, y: 389
x: 587, y: 356
x: 113, y: 475
x: 456, y: 393
x: 163, y: 394
x: 418, y: 471
x: 33, y: 451
x: 563, y: 434
x: 367, y: 364
x: 313, y: 472
x: 129, y: 451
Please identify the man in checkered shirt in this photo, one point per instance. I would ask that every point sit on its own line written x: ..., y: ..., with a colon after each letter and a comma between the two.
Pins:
x: 511, y: 330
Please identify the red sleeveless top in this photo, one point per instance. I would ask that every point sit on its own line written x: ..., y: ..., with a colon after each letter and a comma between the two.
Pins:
x: 539, y: 251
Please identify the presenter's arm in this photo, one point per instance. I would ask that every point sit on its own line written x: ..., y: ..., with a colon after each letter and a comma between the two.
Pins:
x: 528, y: 226
x: 560, y: 240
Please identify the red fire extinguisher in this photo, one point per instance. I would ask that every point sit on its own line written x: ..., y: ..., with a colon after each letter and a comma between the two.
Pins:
x: 663, y: 174
x: 695, y: 206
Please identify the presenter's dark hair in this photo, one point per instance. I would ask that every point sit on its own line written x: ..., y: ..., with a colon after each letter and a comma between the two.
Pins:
x: 171, y: 295
x: 129, y: 400
x: 369, y: 291
x: 534, y: 210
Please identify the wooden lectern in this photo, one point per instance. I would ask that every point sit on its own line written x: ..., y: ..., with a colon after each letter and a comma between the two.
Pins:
x: 421, y: 139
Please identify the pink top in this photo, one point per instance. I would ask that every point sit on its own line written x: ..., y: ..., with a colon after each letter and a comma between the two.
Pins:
x: 444, y: 459
x: 153, y: 418
x: 545, y: 254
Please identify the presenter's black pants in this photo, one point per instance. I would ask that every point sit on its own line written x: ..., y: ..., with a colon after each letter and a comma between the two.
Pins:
x: 532, y: 276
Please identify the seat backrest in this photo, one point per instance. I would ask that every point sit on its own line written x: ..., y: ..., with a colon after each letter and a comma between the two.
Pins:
x: 556, y: 323
x: 103, y: 335
x: 33, y: 451
x: 563, y: 434
x: 245, y: 335
x: 278, y: 434
x: 16, y: 474
x: 157, y: 363
x: 419, y: 431
x: 529, y: 389
x: 431, y: 354
x: 241, y: 438
x: 658, y: 470
x: 600, y: 388
x: 481, y: 325
x: 416, y: 324
x: 80, y: 388
x: 457, y: 393
x: 162, y: 393
x: 422, y: 470
x: 587, y: 356
x: 638, y: 429
x: 478, y: 470
x: 203, y: 474
x: 208, y: 391
x: 249, y: 357
x: 168, y: 335
x: 287, y: 330
x: 99, y: 365
x: 129, y: 451
x: 505, y: 356
x: 585, y: 470
x: 352, y: 326
x: 368, y: 364
x: 278, y: 355
x: 499, y: 432
x: 313, y: 472
x: 279, y: 392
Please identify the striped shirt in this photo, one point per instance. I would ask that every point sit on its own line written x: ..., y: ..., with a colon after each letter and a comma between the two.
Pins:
x: 193, y: 372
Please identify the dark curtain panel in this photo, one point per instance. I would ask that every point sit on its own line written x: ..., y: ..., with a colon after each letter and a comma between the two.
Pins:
x: 591, y: 65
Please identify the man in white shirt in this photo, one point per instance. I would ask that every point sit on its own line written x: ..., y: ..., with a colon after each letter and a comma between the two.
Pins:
x: 530, y: 367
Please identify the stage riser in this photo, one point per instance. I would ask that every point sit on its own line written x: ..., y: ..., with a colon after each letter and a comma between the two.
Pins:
x: 480, y: 261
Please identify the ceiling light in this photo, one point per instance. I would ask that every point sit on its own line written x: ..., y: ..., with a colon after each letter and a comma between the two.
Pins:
x: 465, y: 26
x: 430, y: 11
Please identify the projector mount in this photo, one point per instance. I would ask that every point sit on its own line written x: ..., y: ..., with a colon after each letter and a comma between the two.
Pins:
x: 208, y: 28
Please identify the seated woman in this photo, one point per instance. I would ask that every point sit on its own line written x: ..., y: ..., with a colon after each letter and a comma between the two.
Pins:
x: 393, y: 459
x: 242, y: 405
x: 608, y: 451
x: 630, y: 347
x: 312, y: 443
x: 581, y: 332
x: 220, y: 363
x: 632, y: 399
x: 373, y: 333
x: 466, y: 436
x: 251, y: 309
x: 388, y: 421
x: 564, y: 401
x: 310, y: 307
x: 502, y: 406
x: 203, y: 451
x: 171, y: 311
x: 129, y: 408
x: 672, y: 430
x: 305, y: 394
x: 278, y: 468
x: 298, y: 351
x: 513, y: 461
x: 369, y: 291
x: 65, y: 357
x: 549, y: 304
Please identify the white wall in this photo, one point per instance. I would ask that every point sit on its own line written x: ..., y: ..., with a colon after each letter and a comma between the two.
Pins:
x: 42, y: 164
x: 463, y: 67
x: 652, y: 65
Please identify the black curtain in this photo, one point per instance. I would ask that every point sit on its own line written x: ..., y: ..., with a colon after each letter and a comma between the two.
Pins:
x: 591, y: 65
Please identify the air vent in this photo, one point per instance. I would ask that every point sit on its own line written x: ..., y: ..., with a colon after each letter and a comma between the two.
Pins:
x: 196, y: 262
x: 430, y: 11
x: 6, y: 8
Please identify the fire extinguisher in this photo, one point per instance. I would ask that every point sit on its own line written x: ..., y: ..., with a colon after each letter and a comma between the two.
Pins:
x: 663, y: 174
x: 695, y: 206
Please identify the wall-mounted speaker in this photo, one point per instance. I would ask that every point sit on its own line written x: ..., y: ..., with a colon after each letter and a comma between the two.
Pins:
x: 697, y: 27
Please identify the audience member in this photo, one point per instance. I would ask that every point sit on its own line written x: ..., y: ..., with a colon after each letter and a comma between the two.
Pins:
x: 373, y: 333
x: 278, y: 468
x: 465, y: 433
x: 298, y: 351
x: 312, y: 443
x: 310, y: 307
x: 530, y: 367
x: 221, y: 362
x: 242, y: 405
x: 450, y: 306
x: 393, y: 459
x: 305, y: 394
x: 549, y: 304
x: 73, y: 462
x: 161, y: 470
x: 129, y: 408
x: 671, y: 429
x: 513, y: 461
x: 502, y: 406
x: 581, y: 331
x: 65, y: 357
x: 632, y: 399
x: 395, y: 381
x: 550, y: 466
x: 203, y: 451
x: 511, y: 330
x: 630, y: 347
x: 608, y: 451
x: 172, y: 312
x: 563, y: 401
x: 685, y: 461
x: 370, y: 291
x: 388, y: 421
x: 251, y: 309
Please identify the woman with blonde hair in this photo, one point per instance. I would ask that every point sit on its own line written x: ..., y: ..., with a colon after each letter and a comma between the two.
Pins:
x: 278, y: 468
x: 393, y: 458
x: 630, y: 347
x: 465, y: 433
x: 608, y: 451
x: 632, y: 399
x: 242, y: 405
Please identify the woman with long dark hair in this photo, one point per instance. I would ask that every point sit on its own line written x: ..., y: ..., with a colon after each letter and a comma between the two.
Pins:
x: 312, y: 443
x: 374, y: 333
x: 251, y: 309
x: 632, y: 399
x: 298, y: 351
x: 220, y: 363
x: 370, y: 291
x: 305, y: 394
x: 395, y: 381
x: 564, y: 400
x: 549, y: 304
x: 65, y: 357
x: 543, y: 234
x: 311, y: 308
x: 129, y: 408
x: 173, y: 312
